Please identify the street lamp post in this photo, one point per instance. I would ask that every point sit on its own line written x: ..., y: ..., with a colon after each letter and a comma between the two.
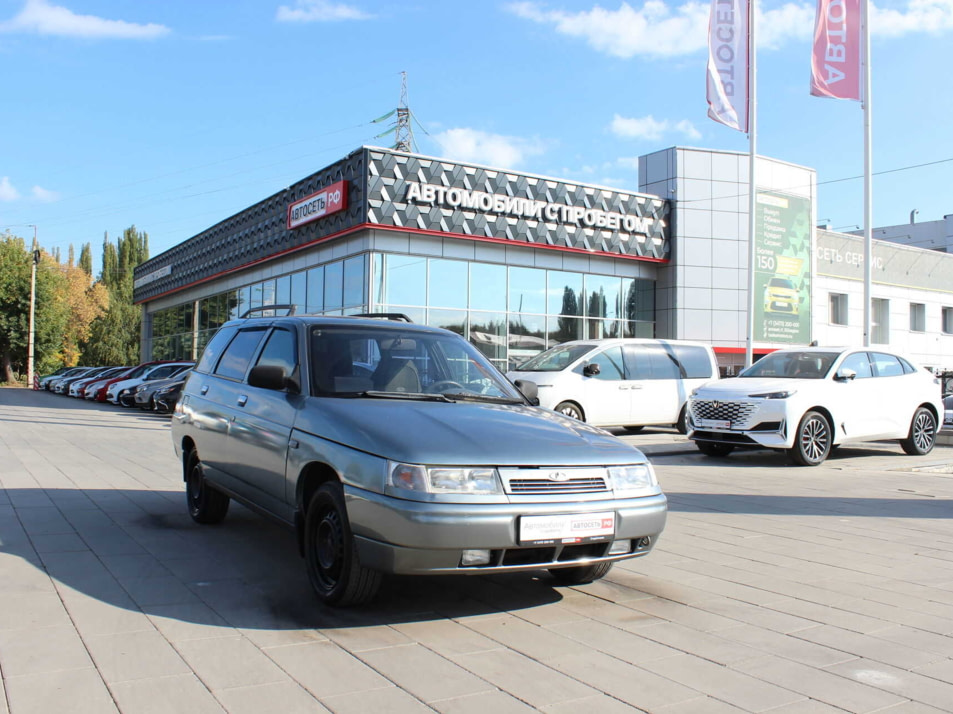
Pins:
x: 35, y: 258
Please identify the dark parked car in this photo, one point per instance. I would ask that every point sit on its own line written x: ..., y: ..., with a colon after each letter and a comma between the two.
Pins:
x: 167, y: 397
x: 145, y: 392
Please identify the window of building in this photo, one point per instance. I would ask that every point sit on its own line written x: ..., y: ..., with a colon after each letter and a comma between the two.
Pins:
x: 299, y: 291
x: 448, y: 283
x: 354, y: 281
x: 947, y: 321
x: 838, y: 309
x: 918, y: 317
x: 487, y: 287
x: 880, y: 321
x: 527, y: 290
x: 333, y: 286
x: 315, y: 289
x: 405, y: 280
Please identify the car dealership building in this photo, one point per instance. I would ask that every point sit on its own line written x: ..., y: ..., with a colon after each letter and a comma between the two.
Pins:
x: 516, y: 262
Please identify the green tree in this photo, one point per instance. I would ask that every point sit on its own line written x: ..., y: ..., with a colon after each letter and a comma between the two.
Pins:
x: 14, y: 304
x: 86, y: 259
x: 114, y: 336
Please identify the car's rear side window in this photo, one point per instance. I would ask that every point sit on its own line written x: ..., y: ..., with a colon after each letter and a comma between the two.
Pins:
x: 214, y: 349
x: 694, y: 361
x: 237, y: 356
x: 886, y: 365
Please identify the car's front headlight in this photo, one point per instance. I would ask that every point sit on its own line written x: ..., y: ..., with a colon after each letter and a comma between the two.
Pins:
x: 476, y: 480
x: 782, y: 394
x: 631, y: 479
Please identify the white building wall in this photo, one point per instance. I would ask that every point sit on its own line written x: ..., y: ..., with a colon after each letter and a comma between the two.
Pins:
x: 931, y: 235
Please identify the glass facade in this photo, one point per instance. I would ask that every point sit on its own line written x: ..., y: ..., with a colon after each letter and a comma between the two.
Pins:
x: 510, y: 313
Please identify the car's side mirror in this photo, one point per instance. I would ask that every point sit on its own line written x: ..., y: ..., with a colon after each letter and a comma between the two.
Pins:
x: 529, y: 390
x: 269, y: 376
x: 591, y: 370
x: 845, y: 374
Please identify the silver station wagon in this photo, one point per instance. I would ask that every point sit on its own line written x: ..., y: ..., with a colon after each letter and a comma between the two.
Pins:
x: 398, y: 448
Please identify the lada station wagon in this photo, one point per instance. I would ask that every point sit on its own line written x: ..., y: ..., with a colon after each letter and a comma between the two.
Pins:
x: 397, y: 448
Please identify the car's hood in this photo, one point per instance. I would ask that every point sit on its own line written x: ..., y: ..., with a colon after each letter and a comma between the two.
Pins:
x: 462, y: 433
x: 740, y: 387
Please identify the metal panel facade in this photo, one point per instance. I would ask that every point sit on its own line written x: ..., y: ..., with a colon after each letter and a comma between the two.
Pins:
x: 417, y: 193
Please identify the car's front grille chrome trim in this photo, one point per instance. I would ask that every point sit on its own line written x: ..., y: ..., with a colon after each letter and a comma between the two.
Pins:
x: 739, y: 413
x: 554, y: 481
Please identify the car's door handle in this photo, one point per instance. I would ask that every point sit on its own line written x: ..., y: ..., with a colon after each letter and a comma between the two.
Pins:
x: 204, y: 389
x: 242, y: 399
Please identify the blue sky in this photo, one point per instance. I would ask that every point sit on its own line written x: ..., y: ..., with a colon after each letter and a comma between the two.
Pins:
x: 174, y: 114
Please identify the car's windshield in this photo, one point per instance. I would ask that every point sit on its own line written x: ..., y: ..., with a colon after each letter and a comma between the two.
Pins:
x: 556, y: 358
x: 352, y: 361
x: 781, y: 283
x: 799, y: 365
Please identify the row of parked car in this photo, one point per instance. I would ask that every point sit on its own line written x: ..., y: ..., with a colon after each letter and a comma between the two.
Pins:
x: 151, y: 386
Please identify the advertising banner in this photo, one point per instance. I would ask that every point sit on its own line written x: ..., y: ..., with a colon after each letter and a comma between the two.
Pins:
x: 836, y: 60
x: 318, y: 205
x: 728, y: 63
x: 782, y: 297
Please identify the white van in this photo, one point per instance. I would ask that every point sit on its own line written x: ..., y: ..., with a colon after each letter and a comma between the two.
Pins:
x: 620, y: 382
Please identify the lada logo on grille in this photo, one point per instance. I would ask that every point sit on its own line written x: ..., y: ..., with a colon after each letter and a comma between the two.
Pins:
x: 558, y: 476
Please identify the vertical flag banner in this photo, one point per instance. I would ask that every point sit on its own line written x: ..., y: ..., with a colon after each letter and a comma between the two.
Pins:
x: 836, y: 61
x: 728, y: 49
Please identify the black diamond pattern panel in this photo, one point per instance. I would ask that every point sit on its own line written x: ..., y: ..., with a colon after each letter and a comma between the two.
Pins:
x: 393, y: 207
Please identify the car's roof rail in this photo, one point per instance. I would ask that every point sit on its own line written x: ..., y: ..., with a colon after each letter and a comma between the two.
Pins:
x: 384, y: 316
x: 289, y: 308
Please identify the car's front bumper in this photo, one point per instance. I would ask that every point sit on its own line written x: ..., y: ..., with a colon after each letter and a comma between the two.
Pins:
x: 747, y: 422
x: 407, y: 537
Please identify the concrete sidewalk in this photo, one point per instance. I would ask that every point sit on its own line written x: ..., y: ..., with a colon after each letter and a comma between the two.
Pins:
x: 774, y: 588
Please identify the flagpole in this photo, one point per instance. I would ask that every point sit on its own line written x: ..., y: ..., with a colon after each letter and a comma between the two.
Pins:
x: 868, y: 173
x: 752, y: 155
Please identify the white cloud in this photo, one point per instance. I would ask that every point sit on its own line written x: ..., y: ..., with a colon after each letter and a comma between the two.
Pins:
x: 651, y: 129
x: 661, y: 30
x: 628, y: 162
x: 43, y: 195
x: 483, y: 148
x: 319, y: 11
x: 7, y: 190
x: 43, y: 18
x: 930, y: 16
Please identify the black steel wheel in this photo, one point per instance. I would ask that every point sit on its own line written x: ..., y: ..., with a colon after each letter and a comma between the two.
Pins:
x: 334, y: 569
x: 813, y: 440
x: 710, y: 448
x: 922, y: 435
x: 571, y: 409
x: 580, y: 574
x: 206, y: 504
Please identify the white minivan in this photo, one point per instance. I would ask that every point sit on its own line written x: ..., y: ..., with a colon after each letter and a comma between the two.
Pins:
x: 630, y: 382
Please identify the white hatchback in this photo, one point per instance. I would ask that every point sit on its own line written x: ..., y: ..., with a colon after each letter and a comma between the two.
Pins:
x: 630, y: 382
x: 810, y: 400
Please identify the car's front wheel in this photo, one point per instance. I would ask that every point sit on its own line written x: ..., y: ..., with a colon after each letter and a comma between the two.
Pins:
x: 330, y: 553
x: 206, y: 504
x: 709, y: 448
x: 922, y: 435
x: 813, y: 441
x: 571, y: 409
x: 580, y: 575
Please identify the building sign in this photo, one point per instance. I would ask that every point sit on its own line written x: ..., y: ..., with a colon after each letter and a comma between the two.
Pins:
x: 154, y: 275
x: 526, y: 208
x: 419, y: 193
x: 840, y: 255
x: 782, y: 282
x: 323, y: 203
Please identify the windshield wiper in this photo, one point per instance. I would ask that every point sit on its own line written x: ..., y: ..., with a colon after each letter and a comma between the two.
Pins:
x: 483, y: 398
x: 414, y: 396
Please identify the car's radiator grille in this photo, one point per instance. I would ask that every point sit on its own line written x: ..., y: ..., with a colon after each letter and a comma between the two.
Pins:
x: 574, y: 485
x: 738, y: 413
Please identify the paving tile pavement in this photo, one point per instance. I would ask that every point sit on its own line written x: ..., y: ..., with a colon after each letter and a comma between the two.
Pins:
x: 774, y: 588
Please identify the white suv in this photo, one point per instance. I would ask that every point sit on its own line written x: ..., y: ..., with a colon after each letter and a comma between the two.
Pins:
x: 158, y: 371
x: 812, y: 399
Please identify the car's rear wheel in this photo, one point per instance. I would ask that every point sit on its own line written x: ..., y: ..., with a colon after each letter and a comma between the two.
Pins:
x: 922, y: 435
x: 581, y: 574
x: 812, y: 443
x: 682, y: 424
x: 206, y: 504
x: 571, y: 409
x: 709, y: 448
x: 330, y: 553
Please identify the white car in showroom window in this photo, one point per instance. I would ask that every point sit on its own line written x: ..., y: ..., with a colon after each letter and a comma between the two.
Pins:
x: 809, y: 400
